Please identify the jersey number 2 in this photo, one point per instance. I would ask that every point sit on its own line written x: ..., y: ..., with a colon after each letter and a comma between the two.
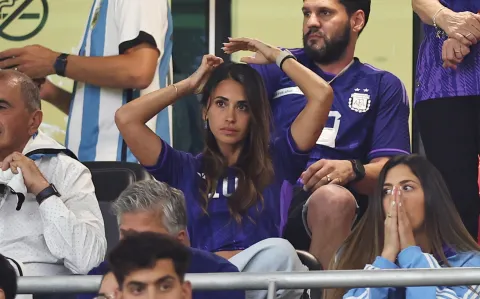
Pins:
x: 329, y: 134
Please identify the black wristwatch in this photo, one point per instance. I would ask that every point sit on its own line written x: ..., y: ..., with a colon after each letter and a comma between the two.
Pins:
x: 61, y: 64
x: 358, y: 169
x: 46, y: 193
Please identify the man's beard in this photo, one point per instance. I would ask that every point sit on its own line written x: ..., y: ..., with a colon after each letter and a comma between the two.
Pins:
x: 332, y: 49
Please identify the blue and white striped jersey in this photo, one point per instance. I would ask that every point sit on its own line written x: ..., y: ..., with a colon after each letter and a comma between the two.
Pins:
x: 113, y: 27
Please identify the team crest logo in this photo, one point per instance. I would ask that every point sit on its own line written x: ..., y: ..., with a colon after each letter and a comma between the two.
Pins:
x: 358, y: 101
x: 95, y: 15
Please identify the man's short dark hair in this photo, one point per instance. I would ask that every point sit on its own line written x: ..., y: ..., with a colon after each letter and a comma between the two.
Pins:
x: 353, y: 5
x: 8, y: 278
x: 28, y: 89
x: 142, y: 250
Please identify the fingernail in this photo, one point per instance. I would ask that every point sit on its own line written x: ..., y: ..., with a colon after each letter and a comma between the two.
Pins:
x: 305, y: 188
x: 300, y: 180
x: 399, y: 204
x: 393, y: 203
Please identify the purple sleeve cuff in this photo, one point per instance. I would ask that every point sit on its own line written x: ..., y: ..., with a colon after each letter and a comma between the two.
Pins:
x: 161, y: 159
x: 386, y: 152
x: 293, y: 146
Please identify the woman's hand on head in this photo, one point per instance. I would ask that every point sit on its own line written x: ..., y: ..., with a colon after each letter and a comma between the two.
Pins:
x: 263, y: 53
x: 391, y: 239
x: 198, y: 79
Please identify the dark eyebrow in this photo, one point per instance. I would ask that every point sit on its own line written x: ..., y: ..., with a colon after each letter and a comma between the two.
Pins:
x: 159, y: 281
x: 136, y: 283
x: 3, y: 101
x: 222, y: 98
x: 164, y: 279
x: 226, y: 99
x: 401, y: 183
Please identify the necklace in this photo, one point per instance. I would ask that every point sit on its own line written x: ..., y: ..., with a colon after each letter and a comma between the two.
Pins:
x: 341, y: 72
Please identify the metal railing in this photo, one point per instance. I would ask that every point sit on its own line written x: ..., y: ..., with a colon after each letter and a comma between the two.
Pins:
x: 275, y: 281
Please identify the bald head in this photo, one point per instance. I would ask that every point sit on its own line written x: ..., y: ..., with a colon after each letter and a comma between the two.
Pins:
x: 27, y: 87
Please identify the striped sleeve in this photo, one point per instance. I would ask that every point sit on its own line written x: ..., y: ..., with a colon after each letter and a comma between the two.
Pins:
x: 391, y: 134
x: 413, y: 257
x: 143, y: 21
x: 373, y: 293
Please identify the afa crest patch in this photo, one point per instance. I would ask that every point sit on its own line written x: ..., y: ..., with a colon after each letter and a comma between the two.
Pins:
x: 96, y: 14
x: 359, y: 101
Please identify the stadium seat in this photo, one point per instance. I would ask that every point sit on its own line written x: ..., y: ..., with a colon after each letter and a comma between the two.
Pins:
x: 313, y: 265
x: 309, y: 260
x: 110, y: 179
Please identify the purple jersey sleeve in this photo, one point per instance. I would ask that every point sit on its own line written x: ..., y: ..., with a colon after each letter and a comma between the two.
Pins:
x: 271, y: 75
x: 289, y: 162
x: 172, y: 166
x: 391, y: 135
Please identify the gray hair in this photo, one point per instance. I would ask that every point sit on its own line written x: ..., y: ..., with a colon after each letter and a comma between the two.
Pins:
x: 28, y: 88
x: 156, y: 197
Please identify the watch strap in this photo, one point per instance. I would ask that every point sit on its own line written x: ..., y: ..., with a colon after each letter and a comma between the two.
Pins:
x: 61, y: 64
x: 46, y: 193
x: 284, y: 55
x: 359, y: 170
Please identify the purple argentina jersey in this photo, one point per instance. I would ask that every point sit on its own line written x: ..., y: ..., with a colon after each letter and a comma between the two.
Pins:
x: 435, y: 82
x: 218, y: 231
x: 369, y: 114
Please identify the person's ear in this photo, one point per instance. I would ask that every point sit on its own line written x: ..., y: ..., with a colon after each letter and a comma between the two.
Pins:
x: 357, y: 21
x: 186, y: 290
x: 182, y: 236
x: 35, y: 121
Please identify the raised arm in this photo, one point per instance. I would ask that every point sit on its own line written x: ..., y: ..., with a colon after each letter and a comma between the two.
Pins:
x: 56, y: 96
x: 131, y: 118
x: 308, y: 125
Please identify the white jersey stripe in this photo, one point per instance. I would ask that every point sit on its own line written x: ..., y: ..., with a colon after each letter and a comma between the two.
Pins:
x: 92, y: 134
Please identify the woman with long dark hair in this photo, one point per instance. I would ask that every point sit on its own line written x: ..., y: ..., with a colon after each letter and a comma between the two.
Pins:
x: 238, y: 190
x: 410, y: 223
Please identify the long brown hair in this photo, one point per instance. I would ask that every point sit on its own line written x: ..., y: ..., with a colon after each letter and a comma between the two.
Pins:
x: 443, y: 225
x: 254, y: 165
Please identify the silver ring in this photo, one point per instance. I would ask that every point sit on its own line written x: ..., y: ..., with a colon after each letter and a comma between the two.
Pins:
x: 15, y: 69
x: 328, y: 178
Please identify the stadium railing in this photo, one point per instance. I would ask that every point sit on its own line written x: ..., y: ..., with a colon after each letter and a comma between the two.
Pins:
x: 274, y: 281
